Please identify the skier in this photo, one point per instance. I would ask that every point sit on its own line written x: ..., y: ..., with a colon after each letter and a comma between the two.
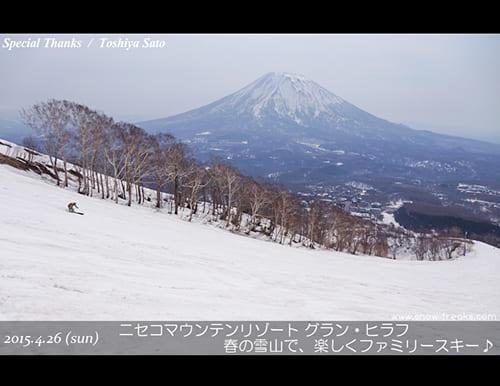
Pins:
x: 72, y: 206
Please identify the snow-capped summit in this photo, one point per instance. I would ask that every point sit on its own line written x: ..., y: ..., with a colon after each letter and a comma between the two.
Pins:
x: 278, y: 108
x: 274, y: 99
x: 285, y: 94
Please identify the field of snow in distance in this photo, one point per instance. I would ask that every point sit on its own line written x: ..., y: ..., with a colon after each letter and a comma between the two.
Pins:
x: 121, y: 263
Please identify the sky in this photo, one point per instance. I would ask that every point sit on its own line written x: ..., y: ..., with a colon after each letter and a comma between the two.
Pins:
x: 446, y: 83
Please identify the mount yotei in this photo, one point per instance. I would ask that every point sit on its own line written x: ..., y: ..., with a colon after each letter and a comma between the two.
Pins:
x: 288, y: 127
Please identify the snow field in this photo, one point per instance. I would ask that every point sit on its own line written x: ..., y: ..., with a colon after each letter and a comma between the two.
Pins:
x: 139, y: 263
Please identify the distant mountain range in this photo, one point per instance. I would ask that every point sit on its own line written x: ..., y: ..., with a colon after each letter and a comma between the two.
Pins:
x: 289, y: 127
x: 14, y: 130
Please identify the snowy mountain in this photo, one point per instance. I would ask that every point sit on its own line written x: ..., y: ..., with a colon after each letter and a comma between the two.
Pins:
x: 284, y: 96
x: 275, y: 99
x: 138, y: 263
x: 289, y: 126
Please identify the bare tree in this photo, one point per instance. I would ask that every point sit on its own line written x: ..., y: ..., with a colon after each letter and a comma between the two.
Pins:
x: 283, y: 207
x: 101, y: 125
x: 332, y: 223
x: 271, y: 207
x: 381, y: 247
x: 136, y: 154
x: 176, y: 167
x: 450, y: 244
x: 116, y: 156
x: 231, y: 178
x: 421, y: 247
x: 214, y: 170
x: 195, y: 178
x: 50, y: 120
x: 82, y: 120
x: 160, y: 147
x: 315, y: 213
x: 253, y: 193
x: 225, y: 178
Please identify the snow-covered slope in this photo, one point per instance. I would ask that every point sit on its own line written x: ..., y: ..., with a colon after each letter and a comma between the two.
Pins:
x: 138, y: 263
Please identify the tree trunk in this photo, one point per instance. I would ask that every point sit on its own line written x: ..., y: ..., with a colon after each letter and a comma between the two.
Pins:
x: 129, y: 190
x: 107, y: 186
x: 65, y: 172
x: 116, y: 190
x: 158, y: 197
x: 102, y: 185
x: 96, y: 178
x: 204, y: 200
x: 124, y: 191
x: 54, y: 166
x: 176, y: 193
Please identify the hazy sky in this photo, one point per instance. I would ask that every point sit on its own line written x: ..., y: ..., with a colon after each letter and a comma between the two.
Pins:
x: 444, y: 83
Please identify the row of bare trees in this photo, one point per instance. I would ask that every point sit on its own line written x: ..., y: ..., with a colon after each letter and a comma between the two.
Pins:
x: 119, y: 160
x: 112, y: 157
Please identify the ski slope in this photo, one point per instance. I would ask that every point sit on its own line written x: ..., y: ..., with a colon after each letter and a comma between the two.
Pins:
x: 138, y: 263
